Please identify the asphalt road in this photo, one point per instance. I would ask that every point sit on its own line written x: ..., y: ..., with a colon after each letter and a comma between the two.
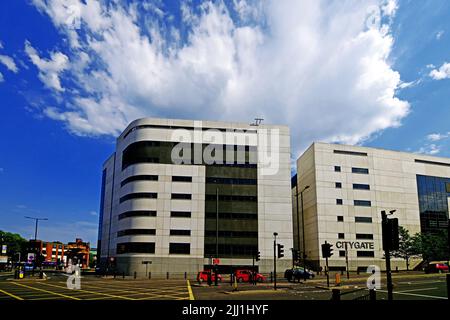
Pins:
x: 406, y: 287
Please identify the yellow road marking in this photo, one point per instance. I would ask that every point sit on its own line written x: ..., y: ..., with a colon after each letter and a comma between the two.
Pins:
x: 93, y: 292
x: 191, y: 295
x: 51, y: 292
x: 11, y: 295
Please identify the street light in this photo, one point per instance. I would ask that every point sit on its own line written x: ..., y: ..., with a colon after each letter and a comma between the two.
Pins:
x: 303, y: 225
x: 36, y: 227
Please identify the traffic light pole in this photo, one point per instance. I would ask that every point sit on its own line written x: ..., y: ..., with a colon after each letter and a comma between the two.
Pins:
x: 387, y: 254
x: 328, y: 273
x: 275, y: 262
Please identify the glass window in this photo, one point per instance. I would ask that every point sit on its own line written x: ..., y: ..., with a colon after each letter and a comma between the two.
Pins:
x: 340, y: 218
x: 181, y: 179
x: 360, y: 170
x: 363, y: 219
x: 359, y: 186
x: 180, y: 214
x: 338, y: 185
x: 179, y: 248
x: 362, y: 203
x: 339, y: 201
x: 341, y: 235
x: 337, y: 169
x: 136, y: 247
x: 139, y: 195
x: 130, y: 232
x: 175, y: 232
x: 364, y: 236
x: 139, y: 178
x: 368, y: 254
x: 137, y: 213
x: 341, y: 253
x: 182, y: 196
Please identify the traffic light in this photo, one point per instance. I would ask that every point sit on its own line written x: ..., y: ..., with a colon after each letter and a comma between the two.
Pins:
x: 295, y: 255
x: 390, y: 234
x: 258, y: 256
x: 326, y: 250
x: 280, y: 250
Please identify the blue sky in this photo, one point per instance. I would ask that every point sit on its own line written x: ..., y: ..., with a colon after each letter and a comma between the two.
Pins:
x: 74, y: 73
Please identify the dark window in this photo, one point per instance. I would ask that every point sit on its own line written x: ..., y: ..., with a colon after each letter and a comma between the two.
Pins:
x: 341, y: 253
x: 180, y: 232
x: 338, y: 185
x: 231, y: 181
x: 231, y: 251
x: 232, y: 215
x: 364, y: 236
x: 232, y: 234
x: 137, y: 213
x: 183, y: 196
x: 231, y: 198
x: 350, y: 153
x: 359, y: 186
x: 179, y: 248
x: 362, y: 203
x: 140, y: 195
x: 370, y: 254
x: 337, y: 168
x: 340, y: 218
x: 181, y: 179
x: 139, y: 178
x: 140, y: 152
x: 433, y: 162
x: 339, y: 201
x: 341, y: 235
x: 130, y: 232
x: 180, y: 214
x: 363, y: 219
x: 136, y: 247
x: 360, y: 170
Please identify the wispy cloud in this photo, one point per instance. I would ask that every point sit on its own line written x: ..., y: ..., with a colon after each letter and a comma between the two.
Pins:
x: 434, y: 142
x: 442, y: 73
x: 9, y: 63
x: 93, y: 213
x: 431, y: 149
x: 439, y: 34
x: 438, y: 136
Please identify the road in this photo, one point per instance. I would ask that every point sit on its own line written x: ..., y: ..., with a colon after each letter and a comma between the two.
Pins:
x: 406, y: 287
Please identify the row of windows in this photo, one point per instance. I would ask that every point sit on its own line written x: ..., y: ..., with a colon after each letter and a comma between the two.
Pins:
x: 189, y: 179
x: 152, y: 213
x: 357, y: 219
x: 232, y: 234
x: 139, y: 178
x: 359, y: 236
x: 359, y: 203
x: 212, y: 197
x: 231, y: 181
x: 149, y: 247
x: 354, y: 170
x: 370, y: 254
x: 154, y: 195
x: 232, y: 215
x: 356, y: 186
x: 152, y: 232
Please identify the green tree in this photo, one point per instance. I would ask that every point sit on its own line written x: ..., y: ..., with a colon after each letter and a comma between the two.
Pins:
x: 408, y: 247
x: 14, y: 242
x: 433, y: 246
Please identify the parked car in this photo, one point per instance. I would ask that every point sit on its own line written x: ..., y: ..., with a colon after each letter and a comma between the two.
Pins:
x: 203, y: 276
x: 246, y: 276
x: 298, y: 273
x: 436, y: 267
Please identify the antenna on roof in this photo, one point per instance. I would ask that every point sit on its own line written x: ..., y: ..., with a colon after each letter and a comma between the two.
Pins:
x: 257, y: 122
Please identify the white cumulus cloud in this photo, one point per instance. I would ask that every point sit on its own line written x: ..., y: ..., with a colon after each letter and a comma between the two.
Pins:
x: 442, y: 73
x: 321, y: 67
x: 49, y: 69
x: 9, y: 63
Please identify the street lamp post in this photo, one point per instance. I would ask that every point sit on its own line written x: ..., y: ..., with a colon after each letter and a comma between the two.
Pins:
x: 275, y: 234
x: 217, y: 238
x: 303, y: 226
x: 36, y: 226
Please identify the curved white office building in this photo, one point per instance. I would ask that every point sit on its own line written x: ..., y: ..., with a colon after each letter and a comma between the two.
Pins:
x: 178, y: 193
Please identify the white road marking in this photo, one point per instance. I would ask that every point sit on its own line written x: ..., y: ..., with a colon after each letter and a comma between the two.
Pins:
x: 416, y: 295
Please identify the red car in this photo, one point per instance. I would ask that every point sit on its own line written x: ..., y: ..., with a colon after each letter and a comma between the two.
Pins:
x: 436, y: 268
x: 246, y: 276
x: 203, y: 276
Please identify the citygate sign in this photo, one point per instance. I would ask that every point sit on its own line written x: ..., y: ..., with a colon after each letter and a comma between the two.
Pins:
x: 355, y: 245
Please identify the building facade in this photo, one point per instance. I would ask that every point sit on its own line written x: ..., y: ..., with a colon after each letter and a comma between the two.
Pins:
x: 178, y: 193
x: 345, y: 188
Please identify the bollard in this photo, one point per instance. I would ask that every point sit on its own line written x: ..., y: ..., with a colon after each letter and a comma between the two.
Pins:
x: 135, y: 274
x: 185, y: 275
x: 336, y: 295
x: 115, y: 274
x: 150, y: 275
x: 167, y: 276
x: 271, y: 277
x: 372, y: 295
x: 357, y: 271
x: 123, y: 275
x: 338, y: 279
x: 342, y: 272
